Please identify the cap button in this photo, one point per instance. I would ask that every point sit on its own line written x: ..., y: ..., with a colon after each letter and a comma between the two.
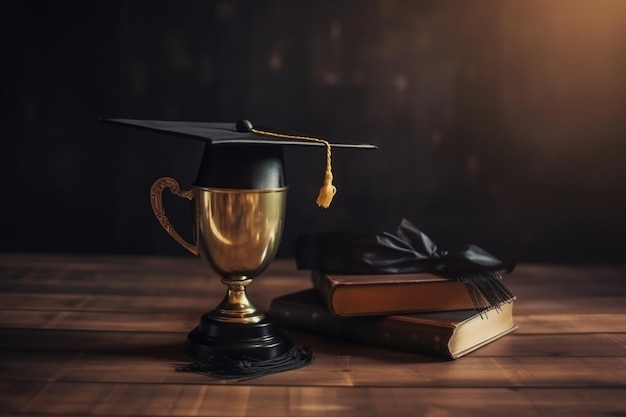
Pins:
x: 244, y: 125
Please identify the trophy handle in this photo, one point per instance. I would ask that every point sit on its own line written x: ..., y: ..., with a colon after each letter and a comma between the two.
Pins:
x: 156, y: 200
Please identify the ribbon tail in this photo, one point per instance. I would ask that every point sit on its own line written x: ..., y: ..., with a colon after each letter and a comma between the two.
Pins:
x: 486, y: 290
x: 222, y: 366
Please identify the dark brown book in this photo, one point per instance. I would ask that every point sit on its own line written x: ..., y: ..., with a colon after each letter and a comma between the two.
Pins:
x: 354, y: 295
x: 449, y: 334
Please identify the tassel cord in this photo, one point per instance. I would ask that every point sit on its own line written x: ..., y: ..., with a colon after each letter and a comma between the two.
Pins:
x: 328, y: 190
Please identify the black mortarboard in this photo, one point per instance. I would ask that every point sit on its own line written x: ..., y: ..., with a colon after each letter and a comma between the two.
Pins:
x: 239, y: 156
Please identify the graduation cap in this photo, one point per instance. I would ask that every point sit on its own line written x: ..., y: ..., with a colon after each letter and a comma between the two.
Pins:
x: 240, y: 156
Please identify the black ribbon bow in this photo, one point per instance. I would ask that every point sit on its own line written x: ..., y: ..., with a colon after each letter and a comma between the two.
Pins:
x: 408, y: 251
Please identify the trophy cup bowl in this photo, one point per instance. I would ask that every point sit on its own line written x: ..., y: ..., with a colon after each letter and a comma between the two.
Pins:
x: 237, y: 232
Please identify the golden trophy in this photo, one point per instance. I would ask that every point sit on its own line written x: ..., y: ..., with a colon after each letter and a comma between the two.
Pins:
x: 239, y: 199
x: 237, y: 232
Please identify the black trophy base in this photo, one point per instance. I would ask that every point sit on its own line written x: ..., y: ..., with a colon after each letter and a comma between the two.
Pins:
x: 262, y: 340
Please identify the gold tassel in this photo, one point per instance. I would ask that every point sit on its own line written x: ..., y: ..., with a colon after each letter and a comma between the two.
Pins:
x: 328, y: 190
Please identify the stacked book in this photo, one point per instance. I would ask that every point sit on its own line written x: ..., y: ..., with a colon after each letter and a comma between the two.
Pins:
x: 420, y: 313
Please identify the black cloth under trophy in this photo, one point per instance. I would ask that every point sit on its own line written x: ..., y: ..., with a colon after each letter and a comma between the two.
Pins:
x: 407, y: 251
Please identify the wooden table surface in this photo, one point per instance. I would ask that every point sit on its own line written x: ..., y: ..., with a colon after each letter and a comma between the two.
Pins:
x: 100, y: 335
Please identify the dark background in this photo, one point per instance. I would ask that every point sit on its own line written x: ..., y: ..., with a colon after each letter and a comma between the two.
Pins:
x: 500, y: 123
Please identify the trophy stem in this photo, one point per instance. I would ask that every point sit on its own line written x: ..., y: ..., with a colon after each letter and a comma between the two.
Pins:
x: 235, y: 328
x: 235, y: 307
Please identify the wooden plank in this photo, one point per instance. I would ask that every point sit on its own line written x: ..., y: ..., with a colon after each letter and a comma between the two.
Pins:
x: 88, y: 341
x: 173, y: 321
x: 540, y: 289
x: 90, y: 320
x: 610, y: 303
x: 103, y: 282
x: 182, y: 265
x: 329, y: 369
x: 527, y: 279
x: 89, y: 298
x: 162, y: 283
x: 557, y: 345
x: 62, y: 289
x: 104, y: 302
x: 572, y: 323
x: 524, y: 272
x: 262, y: 291
x: 134, y: 343
x: 98, y: 399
